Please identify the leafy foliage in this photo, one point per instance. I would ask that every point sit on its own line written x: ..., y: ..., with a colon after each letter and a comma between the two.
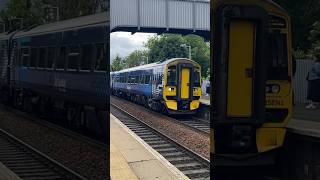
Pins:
x: 34, y: 12
x: 136, y: 58
x: 168, y: 46
x: 117, y: 64
x: 303, y: 15
x: 18, y: 9
x: 315, y: 39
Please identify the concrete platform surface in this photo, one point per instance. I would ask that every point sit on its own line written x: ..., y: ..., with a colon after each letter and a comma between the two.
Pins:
x: 7, y: 174
x: 300, y: 112
x: 205, y: 100
x: 132, y: 158
x: 304, y: 127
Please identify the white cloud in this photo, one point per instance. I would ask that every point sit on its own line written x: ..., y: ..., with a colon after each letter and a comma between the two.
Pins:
x: 123, y: 43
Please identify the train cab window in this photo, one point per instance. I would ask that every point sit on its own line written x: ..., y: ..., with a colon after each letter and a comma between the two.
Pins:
x: 147, y: 79
x: 196, y: 82
x: 277, y: 56
x: 42, y: 57
x: 34, y: 57
x: 61, y: 60
x: 73, y: 57
x: 101, y: 58
x: 51, y: 56
x: 172, y: 76
x: 25, y: 57
x: 86, y: 58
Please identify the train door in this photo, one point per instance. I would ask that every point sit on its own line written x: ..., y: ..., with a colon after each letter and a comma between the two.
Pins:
x: 185, y: 83
x: 241, y: 42
x: 239, y: 77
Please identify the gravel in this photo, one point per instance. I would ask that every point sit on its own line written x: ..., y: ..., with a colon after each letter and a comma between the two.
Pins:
x: 166, y: 125
x: 73, y: 153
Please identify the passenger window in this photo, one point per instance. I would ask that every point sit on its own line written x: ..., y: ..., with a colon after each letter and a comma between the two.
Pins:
x: 16, y: 59
x: 142, y: 79
x: 25, y: 57
x: 172, y: 76
x: 73, y: 57
x: 86, y: 59
x: 101, y: 58
x: 42, y: 57
x: 1, y: 56
x: 159, y: 79
x: 147, y: 79
x: 51, y: 57
x: 61, y: 60
x: 34, y: 57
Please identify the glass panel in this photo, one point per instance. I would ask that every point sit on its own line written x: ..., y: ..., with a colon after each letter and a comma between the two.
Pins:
x: 172, y: 76
x: 34, y: 57
x: 147, y: 79
x: 25, y: 57
x: 196, y: 78
x: 277, y: 56
x: 87, y: 56
x: 101, y: 59
x: 61, y: 59
x: 73, y: 57
x: 51, y: 57
x: 42, y: 57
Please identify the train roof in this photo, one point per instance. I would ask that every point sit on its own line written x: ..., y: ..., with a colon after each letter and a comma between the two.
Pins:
x: 265, y: 2
x: 151, y: 65
x: 70, y: 24
x: 5, y: 35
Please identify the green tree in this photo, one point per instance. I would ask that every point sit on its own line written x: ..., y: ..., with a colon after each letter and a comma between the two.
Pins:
x: 315, y: 40
x: 136, y: 58
x: 303, y: 14
x: 18, y: 9
x: 35, y: 13
x: 200, y: 52
x: 117, y: 64
x: 166, y: 46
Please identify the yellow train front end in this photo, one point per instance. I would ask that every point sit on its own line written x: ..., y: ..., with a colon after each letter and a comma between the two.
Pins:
x: 182, y: 86
x: 252, y: 90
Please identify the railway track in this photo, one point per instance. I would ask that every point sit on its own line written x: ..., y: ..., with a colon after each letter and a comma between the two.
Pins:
x: 196, y: 124
x: 29, y: 163
x: 199, y: 125
x: 70, y: 133
x: 188, y: 162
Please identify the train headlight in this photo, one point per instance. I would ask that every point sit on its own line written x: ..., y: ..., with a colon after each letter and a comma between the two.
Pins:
x: 171, y: 89
x: 267, y: 89
x: 275, y: 88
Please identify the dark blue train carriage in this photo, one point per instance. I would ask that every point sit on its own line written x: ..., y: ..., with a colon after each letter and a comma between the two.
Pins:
x: 61, y: 65
x: 172, y: 86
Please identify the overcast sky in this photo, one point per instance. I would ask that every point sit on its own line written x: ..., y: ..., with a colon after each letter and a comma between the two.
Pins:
x: 123, y: 43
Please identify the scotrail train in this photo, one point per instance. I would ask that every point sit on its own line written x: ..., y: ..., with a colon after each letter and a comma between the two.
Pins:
x: 172, y: 86
x: 252, y: 88
x: 61, y: 65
